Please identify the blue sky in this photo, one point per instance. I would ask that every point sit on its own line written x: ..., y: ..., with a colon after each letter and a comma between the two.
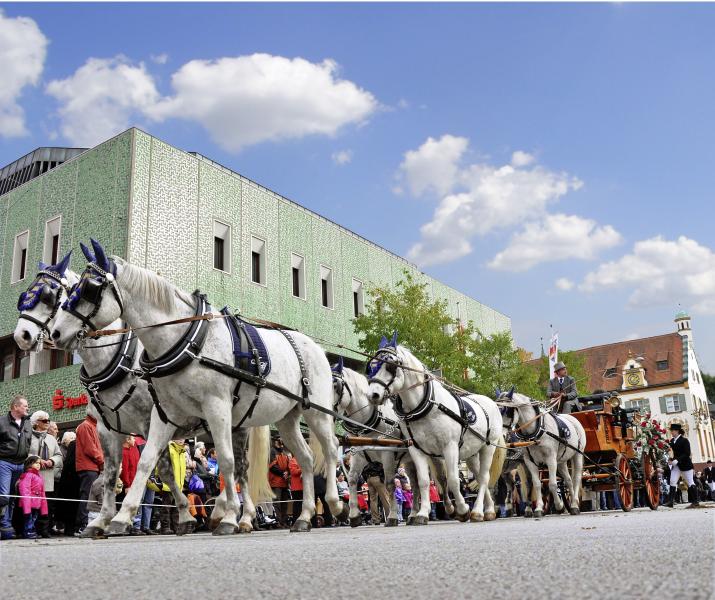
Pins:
x: 553, y: 161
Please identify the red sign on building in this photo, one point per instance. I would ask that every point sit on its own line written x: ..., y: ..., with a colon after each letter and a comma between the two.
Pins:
x: 60, y: 402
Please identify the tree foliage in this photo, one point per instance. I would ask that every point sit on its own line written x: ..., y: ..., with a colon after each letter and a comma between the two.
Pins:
x: 709, y: 383
x: 466, y: 357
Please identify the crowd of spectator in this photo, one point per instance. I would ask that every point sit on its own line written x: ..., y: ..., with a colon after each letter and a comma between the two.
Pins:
x: 50, y: 487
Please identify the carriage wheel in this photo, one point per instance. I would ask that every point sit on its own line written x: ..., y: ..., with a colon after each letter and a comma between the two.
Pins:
x: 624, y: 483
x: 650, y: 482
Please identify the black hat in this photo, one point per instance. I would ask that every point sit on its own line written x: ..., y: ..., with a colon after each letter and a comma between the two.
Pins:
x: 676, y: 427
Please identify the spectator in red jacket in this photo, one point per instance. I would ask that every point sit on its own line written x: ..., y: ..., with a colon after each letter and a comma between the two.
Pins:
x: 278, y: 474
x: 130, y: 460
x: 433, y: 499
x: 89, y: 461
x: 296, y: 486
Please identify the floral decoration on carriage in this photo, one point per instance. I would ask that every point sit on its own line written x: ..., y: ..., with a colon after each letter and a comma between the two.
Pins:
x: 650, y: 436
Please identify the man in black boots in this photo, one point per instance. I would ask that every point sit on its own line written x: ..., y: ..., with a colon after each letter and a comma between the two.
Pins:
x: 681, y: 464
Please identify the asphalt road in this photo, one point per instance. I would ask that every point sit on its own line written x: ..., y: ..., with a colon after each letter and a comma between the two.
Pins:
x: 642, y: 554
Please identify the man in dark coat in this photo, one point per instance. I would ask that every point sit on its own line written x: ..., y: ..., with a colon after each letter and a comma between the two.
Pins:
x: 15, y: 439
x: 681, y: 465
x: 709, y: 479
x: 563, y: 387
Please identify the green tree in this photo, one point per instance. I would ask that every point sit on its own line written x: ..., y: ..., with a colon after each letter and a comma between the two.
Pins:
x: 466, y: 358
x: 709, y: 383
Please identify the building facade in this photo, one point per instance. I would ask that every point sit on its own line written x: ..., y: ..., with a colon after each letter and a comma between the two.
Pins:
x: 203, y: 227
x: 659, y: 375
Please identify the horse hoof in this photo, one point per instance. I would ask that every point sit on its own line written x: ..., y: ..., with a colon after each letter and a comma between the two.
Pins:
x: 392, y: 522
x: 538, y: 514
x: 449, y: 510
x: 420, y: 520
x: 574, y: 510
x: 92, y: 532
x: 117, y: 529
x: 245, y: 528
x: 410, y: 520
x: 355, y: 521
x: 344, y: 514
x: 462, y: 518
x: 224, y: 529
x: 561, y: 510
x: 476, y: 517
x: 300, y: 526
x: 490, y: 516
x: 184, y: 528
x: 528, y: 513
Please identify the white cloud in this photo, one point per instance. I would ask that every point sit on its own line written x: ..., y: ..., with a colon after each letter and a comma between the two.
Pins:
x: 403, y: 104
x: 434, y: 166
x: 661, y: 272
x: 251, y: 99
x: 521, y: 158
x: 556, y: 237
x: 23, y: 48
x: 342, y: 157
x: 478, y: 199
x: 160, y: 59
x: 564, y: 284
x: 101, y: 97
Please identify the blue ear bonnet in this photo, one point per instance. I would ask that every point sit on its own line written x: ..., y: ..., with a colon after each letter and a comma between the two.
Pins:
x: 337, y: 368
x: 375, y: 364
x: 100, y: 259
x: 37, y: 291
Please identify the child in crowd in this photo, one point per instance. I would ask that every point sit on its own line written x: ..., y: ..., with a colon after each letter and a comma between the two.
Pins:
x: 32, y: 489
x: 407, y: 504
x: 399, y: 498
x: 343, y: 487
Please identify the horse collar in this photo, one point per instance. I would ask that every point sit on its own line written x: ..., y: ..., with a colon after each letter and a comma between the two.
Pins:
x: 422, y: 409
x: 537, y: 435
x: 119, y: 365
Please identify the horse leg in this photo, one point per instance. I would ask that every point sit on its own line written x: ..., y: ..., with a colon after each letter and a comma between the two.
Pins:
x: 357, y: 464
x: 440, y: 477
x: 186, y: 521
x: 323, y: 428
x: 111, y: 443
x: 553, y: 482
x: 577, y: 464
x: 289, y: 429
x: 451, y: 463
x: 422, y: 469
x: 536, y: 487
x: 240, y: 439
x: 218, y: 416
x: 160, y: 434
x: 219, y: 510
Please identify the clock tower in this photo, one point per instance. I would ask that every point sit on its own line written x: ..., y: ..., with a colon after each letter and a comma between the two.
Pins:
x: 633, y: 373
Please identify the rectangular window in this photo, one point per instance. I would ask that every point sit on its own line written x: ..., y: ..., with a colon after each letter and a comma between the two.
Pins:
x: 258, y: 260
x: 222, y: 247
x: 51, y: 248
x: 661, y: 365
x: 19, y: 256
x: 642, y: 404
x: 326, y: 286
x: 673, y: 403
x: 297, y: 265
x: 358, y: 298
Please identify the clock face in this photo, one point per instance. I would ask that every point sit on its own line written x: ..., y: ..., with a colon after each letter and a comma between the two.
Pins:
x: 633, y: 379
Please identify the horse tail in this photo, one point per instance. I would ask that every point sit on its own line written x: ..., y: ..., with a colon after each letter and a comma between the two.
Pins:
x: 259, y: 447
x: 319, y: 466
x: 495, y: 470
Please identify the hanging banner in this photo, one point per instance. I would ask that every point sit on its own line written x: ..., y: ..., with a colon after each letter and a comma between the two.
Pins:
x: 553, y: 354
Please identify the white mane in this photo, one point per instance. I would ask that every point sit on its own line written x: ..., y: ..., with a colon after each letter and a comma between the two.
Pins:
x: 150, y: 286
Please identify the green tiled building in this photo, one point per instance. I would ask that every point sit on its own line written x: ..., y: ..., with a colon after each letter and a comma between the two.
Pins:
x: 201, y: 226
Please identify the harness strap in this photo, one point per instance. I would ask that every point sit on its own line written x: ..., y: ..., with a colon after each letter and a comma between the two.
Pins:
x: 305, y: 382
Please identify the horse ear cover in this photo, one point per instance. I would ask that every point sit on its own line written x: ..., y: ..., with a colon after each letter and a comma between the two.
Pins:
x: 61, y: 267
x: 511, y: 392
x: 102, y: 260
x: 393, y: 341
x: 87, y: 252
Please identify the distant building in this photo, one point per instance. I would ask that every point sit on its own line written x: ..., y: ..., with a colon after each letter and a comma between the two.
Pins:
x: 659, y: 375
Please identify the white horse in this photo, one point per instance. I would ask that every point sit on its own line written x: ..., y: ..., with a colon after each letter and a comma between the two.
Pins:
x: 549, y: 448
x: 120, y: 416
x: 435, y: 422
x: 197, y: 384
x: 351, y: 400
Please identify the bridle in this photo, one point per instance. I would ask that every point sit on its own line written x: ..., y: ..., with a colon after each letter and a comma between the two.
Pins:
x: 340, y: 386
x: 392, y: 362
x: 91, y: 290
x: 47, y: 298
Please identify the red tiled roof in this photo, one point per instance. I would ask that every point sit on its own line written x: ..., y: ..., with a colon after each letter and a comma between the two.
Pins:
x: 613, y: 356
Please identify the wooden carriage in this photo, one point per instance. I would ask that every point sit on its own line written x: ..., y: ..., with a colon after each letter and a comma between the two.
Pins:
x: 611, y: 462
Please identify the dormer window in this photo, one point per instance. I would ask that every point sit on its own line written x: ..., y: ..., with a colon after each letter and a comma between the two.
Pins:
x: 610, y: 372
x: 661, y: 365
